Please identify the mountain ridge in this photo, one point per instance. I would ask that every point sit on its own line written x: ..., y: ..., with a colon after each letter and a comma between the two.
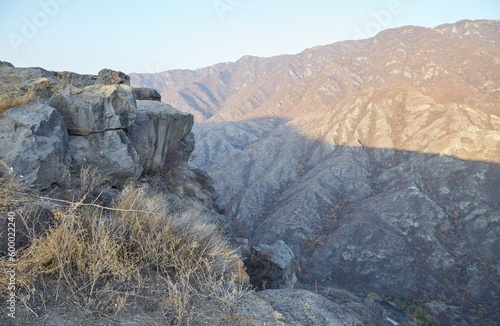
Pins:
x: 375, y: 160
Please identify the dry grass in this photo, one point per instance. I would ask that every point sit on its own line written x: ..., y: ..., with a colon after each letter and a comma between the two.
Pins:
x: 8, y: 102
x: 91, y: 178
x: 11, y: 193
x: 95, y: 255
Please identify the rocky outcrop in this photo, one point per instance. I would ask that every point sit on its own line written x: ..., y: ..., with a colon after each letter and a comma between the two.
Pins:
x: 157, y: 128
x: 146, y: 94
x: 104, y: 77
x: 111, y: 77
x: 34, y: 145
x: 271, y: 267
x: 95, y: 108
x: 111, y: 151
x: 74, y: 120
x: 298, y: 307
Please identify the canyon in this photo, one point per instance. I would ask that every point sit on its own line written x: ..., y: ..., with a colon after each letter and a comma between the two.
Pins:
x: 376, y: 161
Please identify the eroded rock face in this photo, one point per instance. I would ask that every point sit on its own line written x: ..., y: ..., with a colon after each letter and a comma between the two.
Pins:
x: 146, y: 94
x: 296, y: 307
x: 157, y: 128
x: 271, y: 267
x: 111, y: 151
x: 112, y: 77
x: 98, y: 112
x: 34, y: 145
x: 95, y: 108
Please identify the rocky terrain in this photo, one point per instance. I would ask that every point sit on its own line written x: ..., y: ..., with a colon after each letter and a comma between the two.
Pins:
x: 376, y: 161
x: 81, y: 156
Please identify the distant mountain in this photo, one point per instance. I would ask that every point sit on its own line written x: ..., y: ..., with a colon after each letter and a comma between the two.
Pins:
x: 377, y: 161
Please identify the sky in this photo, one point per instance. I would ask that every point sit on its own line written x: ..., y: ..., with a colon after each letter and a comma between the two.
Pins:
x: 149, y: 36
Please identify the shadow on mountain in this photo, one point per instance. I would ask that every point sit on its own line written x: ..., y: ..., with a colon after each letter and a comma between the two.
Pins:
x: 422, y: 226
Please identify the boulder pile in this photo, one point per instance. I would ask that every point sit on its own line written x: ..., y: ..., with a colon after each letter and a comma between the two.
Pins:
x: 54, y: 123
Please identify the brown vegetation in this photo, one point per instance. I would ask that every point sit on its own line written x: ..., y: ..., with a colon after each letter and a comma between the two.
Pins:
x: 111, y: 260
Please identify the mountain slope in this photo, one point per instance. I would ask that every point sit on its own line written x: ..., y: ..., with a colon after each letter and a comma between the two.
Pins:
x: 377, y: 161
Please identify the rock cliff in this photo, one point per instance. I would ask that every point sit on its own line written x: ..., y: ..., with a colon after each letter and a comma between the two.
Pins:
x: 54, y: 123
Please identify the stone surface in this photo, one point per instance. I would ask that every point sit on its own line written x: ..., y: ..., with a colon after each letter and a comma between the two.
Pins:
x: 6, y: 64
x: 157, y: 128
x: 112, y: 77
x: 182, y: 150
x: 271, y: 267
x: 34, y: 145
x: 295, y: 307
x: 99, y: 112
x: 95, y: 108
x: 105, y: 77
x: 111, y: 151
x: 144, y: 93
x: 77, y: 80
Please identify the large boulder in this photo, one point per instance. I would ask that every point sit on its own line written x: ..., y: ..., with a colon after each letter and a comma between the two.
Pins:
x: 105, y: 77
x: 272, y: 267
x: 95, y: 108
x: 34, y: 145
x: 77, y: 80
x: 158, y: 127
x: 296, y: 307
x: 19, y: 86
x: 145, y: 94
x: 112, y: 77
x: 111, y: 151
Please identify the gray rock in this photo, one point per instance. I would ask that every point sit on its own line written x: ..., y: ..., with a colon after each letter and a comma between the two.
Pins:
x: 17, y: 76
x: 105, y: 77
x: 19, y: 86
x: 272, y: 267
x: 111, y: 151
x: 40, y: 89
x: 103, y: 109
x: 6, y: 64
x: 294, y: 307
x: 111, y: 77
x: 157, y: 128
x: 34, y: 145
x: 144, y: 93
x: 182, y: 150
x: 77, y: 80
x: 95, y: 108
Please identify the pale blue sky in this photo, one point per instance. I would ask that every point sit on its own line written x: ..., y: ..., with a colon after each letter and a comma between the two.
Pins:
x: 151, y: 36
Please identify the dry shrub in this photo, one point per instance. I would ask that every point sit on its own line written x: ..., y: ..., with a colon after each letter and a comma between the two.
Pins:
x: 111, y: 254
x: 91, y: 178
x: 186, y: 250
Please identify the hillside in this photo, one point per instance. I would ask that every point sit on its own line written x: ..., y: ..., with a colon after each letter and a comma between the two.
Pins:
x: 377, y: 161
x: 105, y: 223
